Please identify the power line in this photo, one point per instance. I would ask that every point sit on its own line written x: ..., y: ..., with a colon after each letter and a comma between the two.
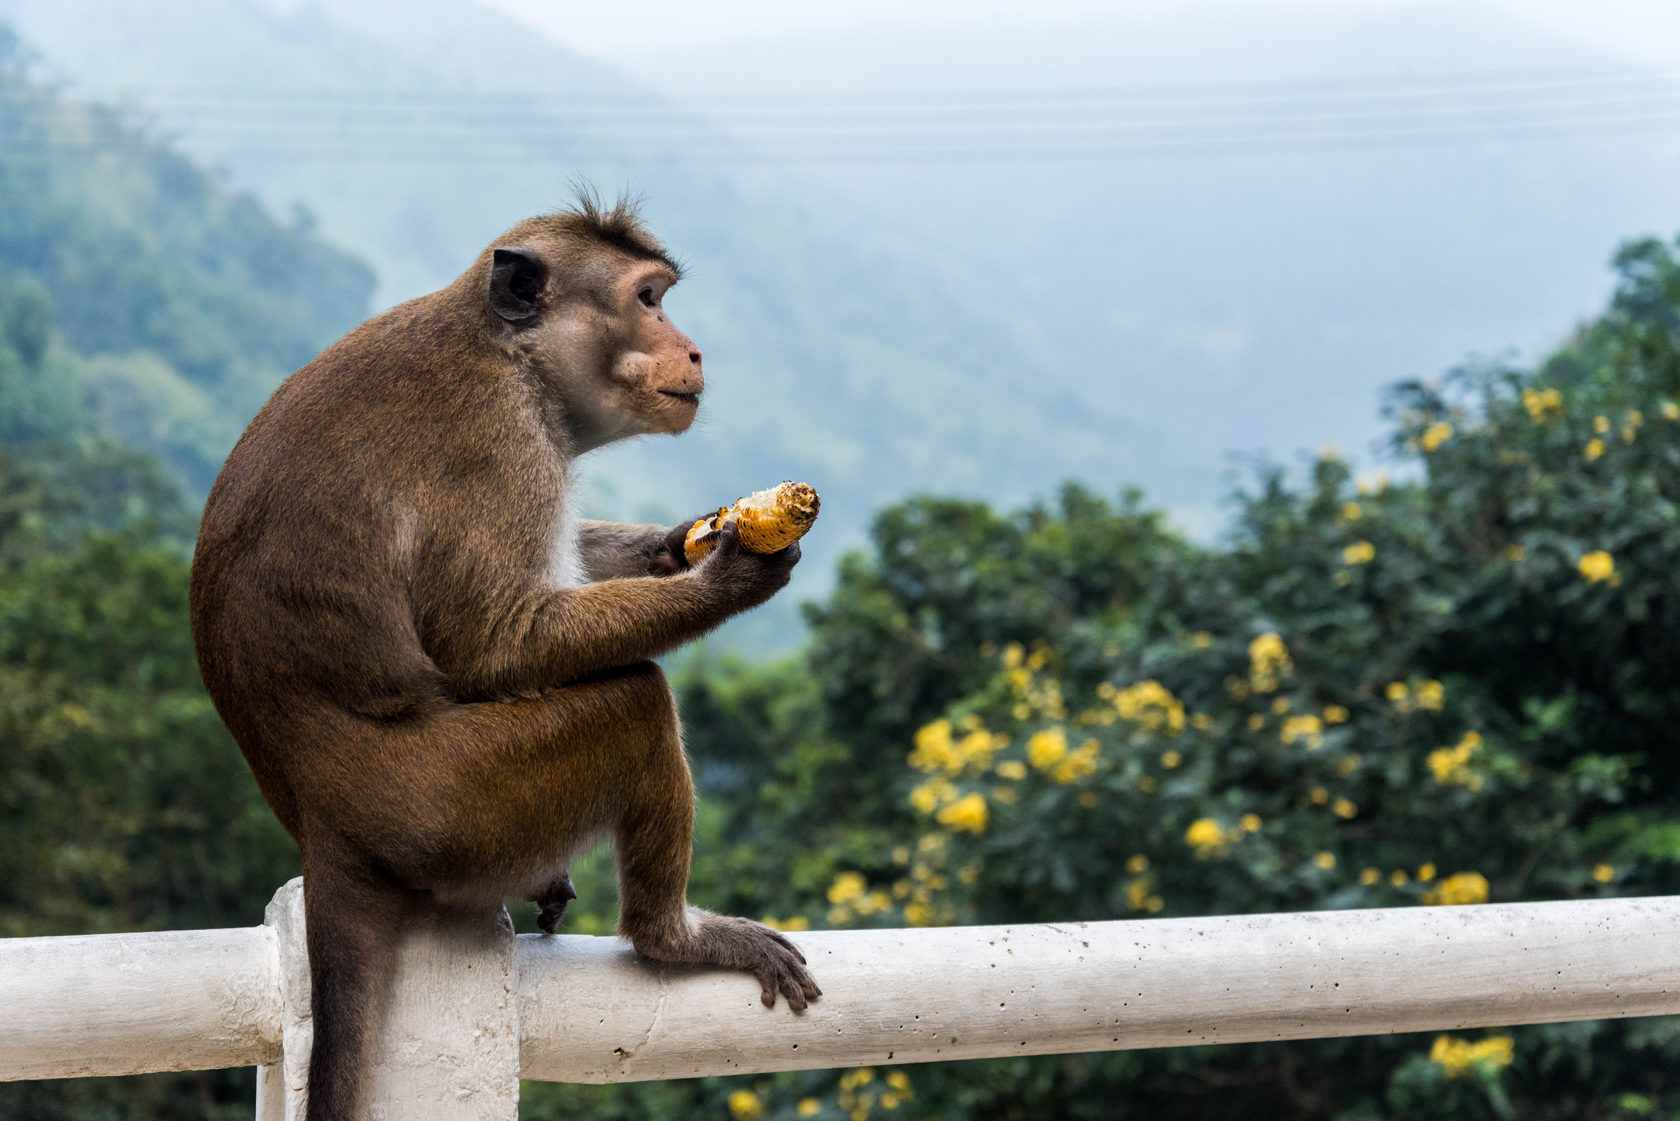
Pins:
x: 1488, y: 107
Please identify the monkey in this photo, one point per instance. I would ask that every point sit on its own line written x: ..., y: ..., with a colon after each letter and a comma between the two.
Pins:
x: 440, y: 675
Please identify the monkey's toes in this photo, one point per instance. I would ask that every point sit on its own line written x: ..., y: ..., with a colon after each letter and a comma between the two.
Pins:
x: 781, y: 969
x: 782, y: 975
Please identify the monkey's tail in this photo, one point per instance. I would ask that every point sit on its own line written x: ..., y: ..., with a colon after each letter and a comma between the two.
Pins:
x: 352, y: 921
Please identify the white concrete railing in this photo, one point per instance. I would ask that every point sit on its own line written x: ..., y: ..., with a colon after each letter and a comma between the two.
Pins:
x: 474, y: 1008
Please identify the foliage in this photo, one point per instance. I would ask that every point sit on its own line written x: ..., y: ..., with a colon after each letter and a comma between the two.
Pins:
x: 1456, y: 689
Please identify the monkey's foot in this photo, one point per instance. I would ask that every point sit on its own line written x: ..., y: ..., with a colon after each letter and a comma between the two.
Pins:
x: 553, y: 899
x: 743, y: 944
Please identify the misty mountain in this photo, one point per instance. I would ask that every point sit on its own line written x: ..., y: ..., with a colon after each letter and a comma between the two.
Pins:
x: 836, y: 351
x: 985, y: 325
x: 1256, y: 296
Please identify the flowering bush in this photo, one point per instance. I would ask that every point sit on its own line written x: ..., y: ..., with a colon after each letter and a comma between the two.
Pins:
x: 1457, y: 687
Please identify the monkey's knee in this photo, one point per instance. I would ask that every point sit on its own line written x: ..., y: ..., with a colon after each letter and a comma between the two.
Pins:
x: 639, y: 692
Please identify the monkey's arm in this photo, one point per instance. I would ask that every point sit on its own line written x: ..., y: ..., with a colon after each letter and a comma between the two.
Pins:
x: 523, y: 639
x: 612, y: 550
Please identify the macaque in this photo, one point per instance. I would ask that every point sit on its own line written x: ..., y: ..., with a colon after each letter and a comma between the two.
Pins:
x: 441, y: 676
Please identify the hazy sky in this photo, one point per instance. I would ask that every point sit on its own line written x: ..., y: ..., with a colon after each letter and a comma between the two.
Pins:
x: 1645, y: 29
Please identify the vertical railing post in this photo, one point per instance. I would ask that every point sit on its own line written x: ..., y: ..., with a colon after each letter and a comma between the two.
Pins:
x: 448, y: 1046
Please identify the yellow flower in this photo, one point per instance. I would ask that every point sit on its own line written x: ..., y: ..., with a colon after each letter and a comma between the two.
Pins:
x: 1435, y: 435
x: 1012, y: 769
x: 1136, y: 864
x: 1204, y: 835
x: 1603, y: 873
x: 932, y: 793
x: 1137, y: 894
x: 1151, y: 706
x: 1514, y: 553
x: 1080, y: 763
x: 1319, y: 796
x: 846, y: 887
x: 1431, y: 695
x: 1459, y: 889
x: 1013, y: 655
x: 1046, y: 748
x: 1201, y: 721
x: 1309, y: 728
x: 934, y: 748
x: 1460, y: 1055
x: 1343, y: 808
x: 1542, y: 404
x: 900, y: 1082
x: 1171, y: 759
x: 966, y: 814
x: 1425, y: 872
x: 1670, y: 410
x: 1601, y: 424
x: 1325, y: 860
x: 1201, y: 640
x: 852, y: 1079
x: 1250, y: 823
x: 1452, y: 764
x: 746, y: 1105
x: 1396, y: 691
x: 1256, y: 721
x: 1370, y: 876
x: 1598, y: 566
x: 809, y: 1107
x: 1360, y: 552
x: 1594, y: 449
x: 1335, y: 714
x: 1351, y: 512
x: 1269, y: 662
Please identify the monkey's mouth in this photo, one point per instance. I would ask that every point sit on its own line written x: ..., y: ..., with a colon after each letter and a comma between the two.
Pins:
x: 689, y: 398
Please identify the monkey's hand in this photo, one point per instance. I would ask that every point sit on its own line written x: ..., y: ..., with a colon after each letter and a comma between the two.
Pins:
x: 735, y: 943
x: 741, y: 578
x: 671, y: 558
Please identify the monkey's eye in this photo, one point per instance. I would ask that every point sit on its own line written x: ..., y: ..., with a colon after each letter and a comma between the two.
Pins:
x: 646, y: 296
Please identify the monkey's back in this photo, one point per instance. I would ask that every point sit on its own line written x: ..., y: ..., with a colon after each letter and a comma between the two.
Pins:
x: 320, y: 538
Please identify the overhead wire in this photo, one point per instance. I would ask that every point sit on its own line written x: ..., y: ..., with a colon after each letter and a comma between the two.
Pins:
x: 957, y: 126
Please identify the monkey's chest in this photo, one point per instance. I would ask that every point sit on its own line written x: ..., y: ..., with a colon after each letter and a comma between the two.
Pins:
x: 565, y: 548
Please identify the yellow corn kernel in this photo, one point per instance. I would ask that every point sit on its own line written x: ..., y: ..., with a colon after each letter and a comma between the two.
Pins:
x: 768, y: 520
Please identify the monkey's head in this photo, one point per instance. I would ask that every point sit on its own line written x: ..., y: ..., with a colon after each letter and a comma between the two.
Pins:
x: 578, y: 297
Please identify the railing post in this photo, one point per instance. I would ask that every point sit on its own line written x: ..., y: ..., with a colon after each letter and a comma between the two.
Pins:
x: 448, y: 1048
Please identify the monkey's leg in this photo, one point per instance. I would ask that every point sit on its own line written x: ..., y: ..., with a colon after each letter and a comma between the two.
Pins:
x: 495, y: 797
x: 653, y: 836
x: 553, y: 899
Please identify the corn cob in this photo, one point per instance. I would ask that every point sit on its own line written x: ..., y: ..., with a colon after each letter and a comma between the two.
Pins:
x: 769, y: 521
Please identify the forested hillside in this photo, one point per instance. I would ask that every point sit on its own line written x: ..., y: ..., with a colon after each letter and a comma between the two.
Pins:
x: 175, y: 304
x: 840, y: 351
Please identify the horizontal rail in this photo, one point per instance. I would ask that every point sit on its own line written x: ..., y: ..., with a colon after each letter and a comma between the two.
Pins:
x: 590, y: 1012
x: 106, y: 1004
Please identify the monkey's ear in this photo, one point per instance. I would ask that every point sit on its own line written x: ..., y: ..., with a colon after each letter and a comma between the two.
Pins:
x: 517, y: 279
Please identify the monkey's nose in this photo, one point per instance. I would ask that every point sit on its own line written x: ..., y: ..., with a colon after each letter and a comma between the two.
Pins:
x: 694, y: 355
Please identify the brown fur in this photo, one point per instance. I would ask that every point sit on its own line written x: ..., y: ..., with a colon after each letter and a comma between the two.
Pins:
x: 437, y: 714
